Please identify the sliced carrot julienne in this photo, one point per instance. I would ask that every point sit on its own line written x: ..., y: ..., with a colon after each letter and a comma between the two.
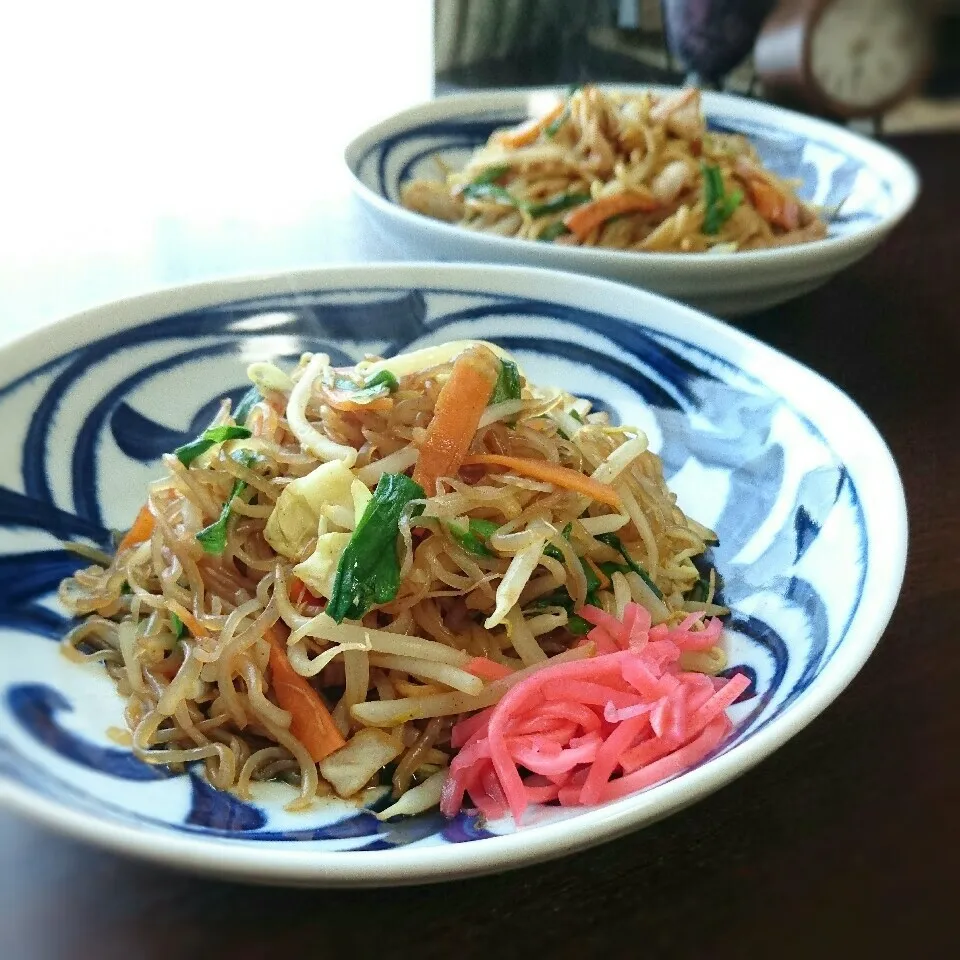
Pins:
x: 460, y: 404
x: 585, y: 218
x: 551, y: 473
x: 168, y: 667
x: 487, y: 669
x: 300, y: 592
x: 188, y: 620
x: 311, y: 721
x: 141, y: 530
x: 528, y: 132
x: 772, y: 205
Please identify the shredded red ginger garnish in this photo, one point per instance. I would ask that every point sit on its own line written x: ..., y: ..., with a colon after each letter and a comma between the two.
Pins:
x: 595, y: 730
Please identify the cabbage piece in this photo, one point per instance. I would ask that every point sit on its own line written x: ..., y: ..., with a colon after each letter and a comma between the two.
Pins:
x: 361, y: 497
x: 320, y: 568
x: 350, y: 768
x: 295, y: 518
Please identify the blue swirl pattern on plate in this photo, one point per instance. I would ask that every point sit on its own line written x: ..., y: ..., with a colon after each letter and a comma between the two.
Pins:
x: 93, y: 423
x: 829, y: 177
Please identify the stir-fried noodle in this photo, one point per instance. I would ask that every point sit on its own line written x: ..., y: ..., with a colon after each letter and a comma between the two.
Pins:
x: 352, y: 559
x: 621, y: 171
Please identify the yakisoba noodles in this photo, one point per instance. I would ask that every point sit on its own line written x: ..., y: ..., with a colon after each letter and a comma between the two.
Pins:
x: 621, y: 171
x: 352, y: 561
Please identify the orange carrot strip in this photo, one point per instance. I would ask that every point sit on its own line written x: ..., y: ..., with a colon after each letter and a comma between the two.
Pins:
x: 141, y: 530
x: 772, y: 205
x: 581, y: 220
x: 300, y: 592
x: 460, y: 404
x: 601, y: 576
x: 530, y: 130
x: 551, y: 473
x: 311, y: 721
x: 168, y: 667
x: 487, y: 669
x: 188, y: 619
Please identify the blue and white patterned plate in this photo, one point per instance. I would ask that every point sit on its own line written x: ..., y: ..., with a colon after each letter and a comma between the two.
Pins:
x: 801, y: 489
x: 876, y: 185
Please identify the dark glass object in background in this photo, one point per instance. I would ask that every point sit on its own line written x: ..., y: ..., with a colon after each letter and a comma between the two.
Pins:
x: 711, y: 37
x: 494, y: 43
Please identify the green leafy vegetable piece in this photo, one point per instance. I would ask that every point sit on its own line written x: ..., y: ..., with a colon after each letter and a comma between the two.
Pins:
x: 551, y: 551
x: 474, y: 538
x: 377, y: 386
x: 490, y: 175
x: 610, y: 568
x: 213, y: 538
x: 561, y: 598
x: 369, y: 572
x: 576, y: 416
x: 612, y: 540
x: 563, y: 201
x: 190, y: 451
x: 125, y: 588
x: 176, y: 625
x: 489, y: 191
x: 593, y: 581
x: 252, y: 396
x: 553, y: 230
x: 553, y: 128
x: 718, y: 203
x: 383, y: 379
x: 507, y: 386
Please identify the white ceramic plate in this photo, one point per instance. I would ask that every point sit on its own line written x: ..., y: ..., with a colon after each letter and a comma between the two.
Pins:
x: 877, y: 185
x: 801, y: 489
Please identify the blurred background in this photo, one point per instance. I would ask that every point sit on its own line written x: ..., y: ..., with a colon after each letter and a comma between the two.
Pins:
x: 533, y: 42
x: 147, y: 144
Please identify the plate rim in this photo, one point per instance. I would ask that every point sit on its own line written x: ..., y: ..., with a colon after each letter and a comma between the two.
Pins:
x: 255, y: 862
x: 733, y: 105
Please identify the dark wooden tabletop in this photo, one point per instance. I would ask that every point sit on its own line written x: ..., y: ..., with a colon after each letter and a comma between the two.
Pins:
x: 842, y: 843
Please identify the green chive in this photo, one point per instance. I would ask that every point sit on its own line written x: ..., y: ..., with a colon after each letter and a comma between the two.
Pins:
x: 553, y: 230
x: 507, y: 386
x: 383, y: 379
x: 563, y: 201
x: 719, y: 205
x: 612, y: 540
x: 176, y: 625
x: 490, y: 175
x: 489, y: 191
x: 577, y: 625
x: 190, y: 451
x: 474, y: 538
x: 251, y: 397
x: 213, y: 538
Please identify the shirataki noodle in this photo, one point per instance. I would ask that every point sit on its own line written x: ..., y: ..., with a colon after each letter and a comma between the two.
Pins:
x: 342, y: 568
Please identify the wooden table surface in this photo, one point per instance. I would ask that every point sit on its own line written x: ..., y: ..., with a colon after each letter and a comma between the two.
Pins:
x: 843, y: 842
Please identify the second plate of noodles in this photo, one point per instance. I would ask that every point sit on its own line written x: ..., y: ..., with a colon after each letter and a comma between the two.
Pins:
x: 346, y: 566
x: 634, y: 171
